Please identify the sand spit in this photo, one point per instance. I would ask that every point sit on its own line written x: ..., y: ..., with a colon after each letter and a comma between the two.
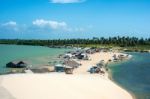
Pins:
x: 80, y: 85
x: 62, y: 86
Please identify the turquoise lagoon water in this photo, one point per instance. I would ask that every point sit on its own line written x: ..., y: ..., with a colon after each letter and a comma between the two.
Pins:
x: 134, y: 75
x: 33, y: 55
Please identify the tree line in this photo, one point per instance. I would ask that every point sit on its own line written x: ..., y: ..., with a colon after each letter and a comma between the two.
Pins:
x: 115, y: 41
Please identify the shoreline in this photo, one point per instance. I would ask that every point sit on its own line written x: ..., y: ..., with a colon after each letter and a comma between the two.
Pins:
x: 80, y: 83
x: 108, y: 75
x: 123, y: 49
x: 112, y: 80
x: 73, y: 86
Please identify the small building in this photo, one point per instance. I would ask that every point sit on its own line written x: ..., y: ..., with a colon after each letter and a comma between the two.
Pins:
x: 69, y: 55
x: 115, y: 58
x: 59, y: 68
x: 85, y: 56
x: 97, y: 70
x: 21, y: 64
x: 16, y: 64
x: 81, y: 55
x: 94, y: 69
x: 91, y: 51
x: 68, y: 70
x: 123, y: 56
x: 71, y: 63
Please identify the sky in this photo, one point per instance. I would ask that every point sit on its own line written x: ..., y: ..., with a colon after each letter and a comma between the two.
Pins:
x: 62, y: 19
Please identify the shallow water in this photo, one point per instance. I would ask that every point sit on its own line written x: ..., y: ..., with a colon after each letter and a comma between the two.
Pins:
x: 33, y: 55
x: 134, y: 75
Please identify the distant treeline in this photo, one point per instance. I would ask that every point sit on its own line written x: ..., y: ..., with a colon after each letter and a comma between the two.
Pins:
x: 112, y: 41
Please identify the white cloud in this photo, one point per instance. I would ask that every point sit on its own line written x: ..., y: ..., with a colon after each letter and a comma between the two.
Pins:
x: 55, y: 25
x: 66, y: 1
x: 41, y: 25
x: 10, y: 23
x: 49, y: 23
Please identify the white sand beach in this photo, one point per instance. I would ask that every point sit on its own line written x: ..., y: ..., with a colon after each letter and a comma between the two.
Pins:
x: 94, y: 59
x: 80, y: 85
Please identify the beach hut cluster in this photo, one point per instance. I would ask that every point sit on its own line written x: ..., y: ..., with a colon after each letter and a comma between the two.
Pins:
x: 16, y: 64
x: 120, y: 57
x: 99, y: 68
x: 82, y: 54
x: 69, y: 62
x: 76, y: 55
x: 68, y: 66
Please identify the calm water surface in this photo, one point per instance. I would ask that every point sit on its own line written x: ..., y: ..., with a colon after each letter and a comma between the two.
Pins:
x: 134, y: 75
x: 34, y: 55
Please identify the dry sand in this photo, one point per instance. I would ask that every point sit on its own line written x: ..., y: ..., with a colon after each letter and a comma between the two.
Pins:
x: 61, y: 86
x: 80, y: 85
x: 94, y: 59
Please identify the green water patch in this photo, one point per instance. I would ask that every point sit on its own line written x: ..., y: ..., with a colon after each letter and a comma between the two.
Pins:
x: 133, y: 75
x: 33, y: 55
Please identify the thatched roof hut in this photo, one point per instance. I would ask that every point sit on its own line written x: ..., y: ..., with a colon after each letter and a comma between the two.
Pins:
x: 16, y: 64
x: 69, y: 70
x: 71, y: 63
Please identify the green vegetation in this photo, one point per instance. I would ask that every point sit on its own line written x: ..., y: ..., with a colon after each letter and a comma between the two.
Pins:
x: 129, y: 43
